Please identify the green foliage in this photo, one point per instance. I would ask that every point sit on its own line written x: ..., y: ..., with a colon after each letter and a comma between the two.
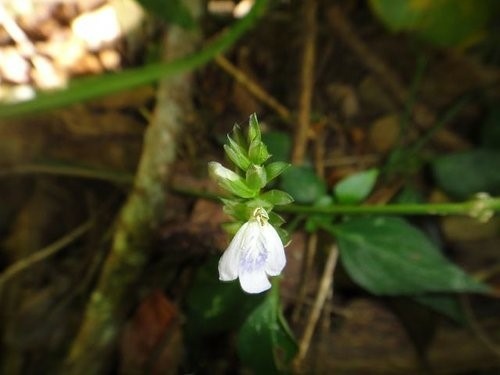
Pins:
x: 303, y: 184
x: 254, y: 133
x: 279, y: 145
x: 213, y: 307
x: 257, y: 152
x: 237, y: 155
x: 443, y: 22
x: 463, y: 174
x: 256, y: 177
x: 265, y: 342
x: 445, y: 304
x: 355, y: 188
x: 248, y: 153
x: 273, y: 170
x: 314, y: 222
x: 277, y: 197
x: 387, y: 256
x: 173, y: 11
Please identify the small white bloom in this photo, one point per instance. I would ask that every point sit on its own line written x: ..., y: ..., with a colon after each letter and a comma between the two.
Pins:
x: 255, y: 252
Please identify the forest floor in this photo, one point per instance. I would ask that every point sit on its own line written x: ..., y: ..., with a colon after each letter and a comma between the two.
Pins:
x: 340, y: 111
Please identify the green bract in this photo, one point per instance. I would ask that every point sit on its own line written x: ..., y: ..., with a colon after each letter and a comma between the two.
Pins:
x: 246, y: 183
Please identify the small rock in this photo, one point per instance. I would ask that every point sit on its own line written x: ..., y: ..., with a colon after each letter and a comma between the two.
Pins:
x: 384, y: 133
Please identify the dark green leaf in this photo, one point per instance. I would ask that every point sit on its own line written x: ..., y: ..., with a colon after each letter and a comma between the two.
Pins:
x: 444, y: 22
x: 279, y: 145
x: 464, y: 174
x: 275, y: 219
x: 303, y: 184
x: 265, y: 343
x: 355, y: 188
x: 445, y: 304
x: 284, y: 235
x: 387, y: 256
x: 214, y: 306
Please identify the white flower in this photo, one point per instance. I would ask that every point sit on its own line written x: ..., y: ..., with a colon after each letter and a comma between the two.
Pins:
x: 255, y: 252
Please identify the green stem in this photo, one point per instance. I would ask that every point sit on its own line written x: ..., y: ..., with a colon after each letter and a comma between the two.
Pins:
x: 476, y: 208
x: 481, y: 207
x: 93, y: 87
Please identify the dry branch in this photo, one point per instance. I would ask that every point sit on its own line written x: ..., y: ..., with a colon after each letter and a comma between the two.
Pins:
x: 306, y: 82
x: 139, y: 218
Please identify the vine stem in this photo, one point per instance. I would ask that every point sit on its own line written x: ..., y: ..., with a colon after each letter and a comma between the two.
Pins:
x: 482, y: 207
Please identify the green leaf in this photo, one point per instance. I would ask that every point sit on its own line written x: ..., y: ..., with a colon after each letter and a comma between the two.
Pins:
x: 284, y: 235
x: 265, y: 343
x: 173, y: 11
x: 303, y: 184
x: 239, y: 211
x: 237, y: 154
x: 275, y: 219
x: 238, y: 188
x: 443, y: 22
x: 253, y: 129
x: 355, y: 188
x: 277, y: 197
x: 279, y: 145
x: 256, y: 177
x: 239, y: 137
x: 257, y: 152
x: 463, y: 174
x: 273, y: 170
x: 387, y: 256
x: 444, y: 304
x: 213, y: 306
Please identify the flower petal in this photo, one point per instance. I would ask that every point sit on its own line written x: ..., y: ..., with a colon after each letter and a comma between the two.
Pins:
x: 230, y: 260
x: 276, y: 259
x: 254, y: 282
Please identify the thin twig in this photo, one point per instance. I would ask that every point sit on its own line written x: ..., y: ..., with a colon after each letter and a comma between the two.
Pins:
x: 306, y: 82
x: 44, y: 253
x: 253, y: 88
x: 323, y: 291
x: 310, y: 254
